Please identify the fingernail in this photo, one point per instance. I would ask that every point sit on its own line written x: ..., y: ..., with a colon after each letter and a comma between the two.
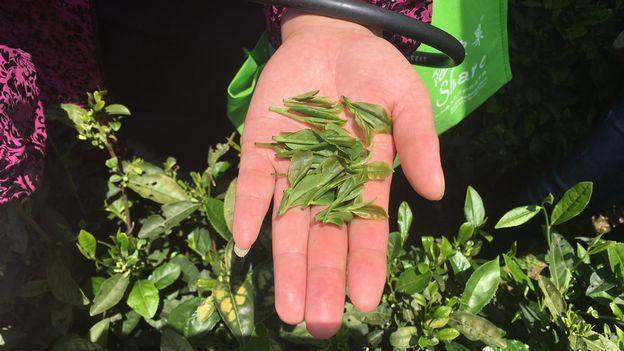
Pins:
x: 240, y: 252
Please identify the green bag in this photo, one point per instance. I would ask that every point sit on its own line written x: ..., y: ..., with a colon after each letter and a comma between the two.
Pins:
x: 480, y: 25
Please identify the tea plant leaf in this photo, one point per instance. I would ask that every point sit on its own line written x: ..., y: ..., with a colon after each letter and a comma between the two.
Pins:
x: 459, y: 262
x: 404, y: 221
x: 446, y: 334
x: 199, y: 241
x: 185, y: 318
x: 228, y: 205
x: 172, y: 341
x: 477, y: 328
x: 61, y: 284
x: 558, y: 266
x: 215, y: 212
x: 411, y: 282
x: 117, y: 109
x: 597, y: 284
x: 174, y: 213
x: 402, y: 337
x: 157, y: 187
x: 235, y: 303
x: 518, y: 216
x: 473, y: 208
x: 111, y: 292
x: 466, y: 232
x: 143, y: 298
x: 517, y: 273
x: 481, y: 287
x: 552, y: 297
x: 129, y: 322
x: 86, y: 244
x: 189, y: 270
x: 615, y: 253
x: 379, y: 316
x: 99, y: 332
x: 165, y: 275
x: 572, y: 203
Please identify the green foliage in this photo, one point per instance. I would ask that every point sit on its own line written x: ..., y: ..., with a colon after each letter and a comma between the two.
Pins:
x: 161, y: 273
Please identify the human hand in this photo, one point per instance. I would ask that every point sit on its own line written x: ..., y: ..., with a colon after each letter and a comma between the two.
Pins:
x: 311, y: 258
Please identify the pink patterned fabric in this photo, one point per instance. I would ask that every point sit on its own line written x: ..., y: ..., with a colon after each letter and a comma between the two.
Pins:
x: 22, y: 128
x: 419, y: 9
x: 56, y: 38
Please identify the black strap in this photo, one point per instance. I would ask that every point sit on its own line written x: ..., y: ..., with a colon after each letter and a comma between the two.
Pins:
x: 358, y: 11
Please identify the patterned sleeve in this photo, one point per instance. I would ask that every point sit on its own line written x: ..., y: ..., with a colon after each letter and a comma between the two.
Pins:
x: 22, y: 125
x: 419, y: 9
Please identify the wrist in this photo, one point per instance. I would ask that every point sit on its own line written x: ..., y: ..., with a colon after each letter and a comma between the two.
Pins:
x: 295, y: 22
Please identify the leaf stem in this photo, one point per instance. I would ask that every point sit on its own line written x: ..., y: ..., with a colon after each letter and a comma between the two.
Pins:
x: 548, y: 226
x: 124, y: 192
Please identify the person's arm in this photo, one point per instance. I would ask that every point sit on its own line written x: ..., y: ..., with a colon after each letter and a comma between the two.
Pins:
x: 314, y: 262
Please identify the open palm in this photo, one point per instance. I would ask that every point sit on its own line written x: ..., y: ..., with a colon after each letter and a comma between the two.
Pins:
x: 313, y: 262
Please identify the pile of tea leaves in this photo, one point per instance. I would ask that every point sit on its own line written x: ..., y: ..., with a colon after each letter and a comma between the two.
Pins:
x: 328, y: 165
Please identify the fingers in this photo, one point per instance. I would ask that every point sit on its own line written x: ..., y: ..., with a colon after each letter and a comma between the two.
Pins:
x: 416, y: 140
x: 290, y: 240
x: 254, y: 189
x: 368, y: 239
x: 325, y: 292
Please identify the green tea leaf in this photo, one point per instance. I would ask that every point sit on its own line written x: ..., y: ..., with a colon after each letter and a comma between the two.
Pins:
x: 143, y: 298
x: 165, y: 275
x: 215, y: 211
x: 518, y: 216
x: 481, y: 287
x: 517, y: 273
x: 473, y: 208
x: 477, y: 328
x: 558, y: 266
x: 186, y: 320
x: 402, y: 337
x: 411, y: 282
x: 466, y: 232
x: 62, y: 285
x: 446, y: 334
x: 459, y: 262
x: 172, y: 341
x: 117, y: 109
x: 572, y: 203
x: 228, y: 205
x: 99, y: 332
x: 110, y: 294
x: 199, y: 241
x: 87, y: 244
x: 405, y: 220
x: 370, y: 118
x: 370, y: 211
x: 615, y: 253
x: 174, y: 213
x: 235, y: 303
x: 157, y: 187
x: 378, y: 170
x: 552, y: 297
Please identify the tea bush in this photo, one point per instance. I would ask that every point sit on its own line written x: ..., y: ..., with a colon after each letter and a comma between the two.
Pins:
x: 155, y: 267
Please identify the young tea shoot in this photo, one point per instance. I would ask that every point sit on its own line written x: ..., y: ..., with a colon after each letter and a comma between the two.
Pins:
x: 328, y: 165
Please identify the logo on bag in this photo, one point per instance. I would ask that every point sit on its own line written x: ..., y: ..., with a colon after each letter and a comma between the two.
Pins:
x: 458, y: 84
